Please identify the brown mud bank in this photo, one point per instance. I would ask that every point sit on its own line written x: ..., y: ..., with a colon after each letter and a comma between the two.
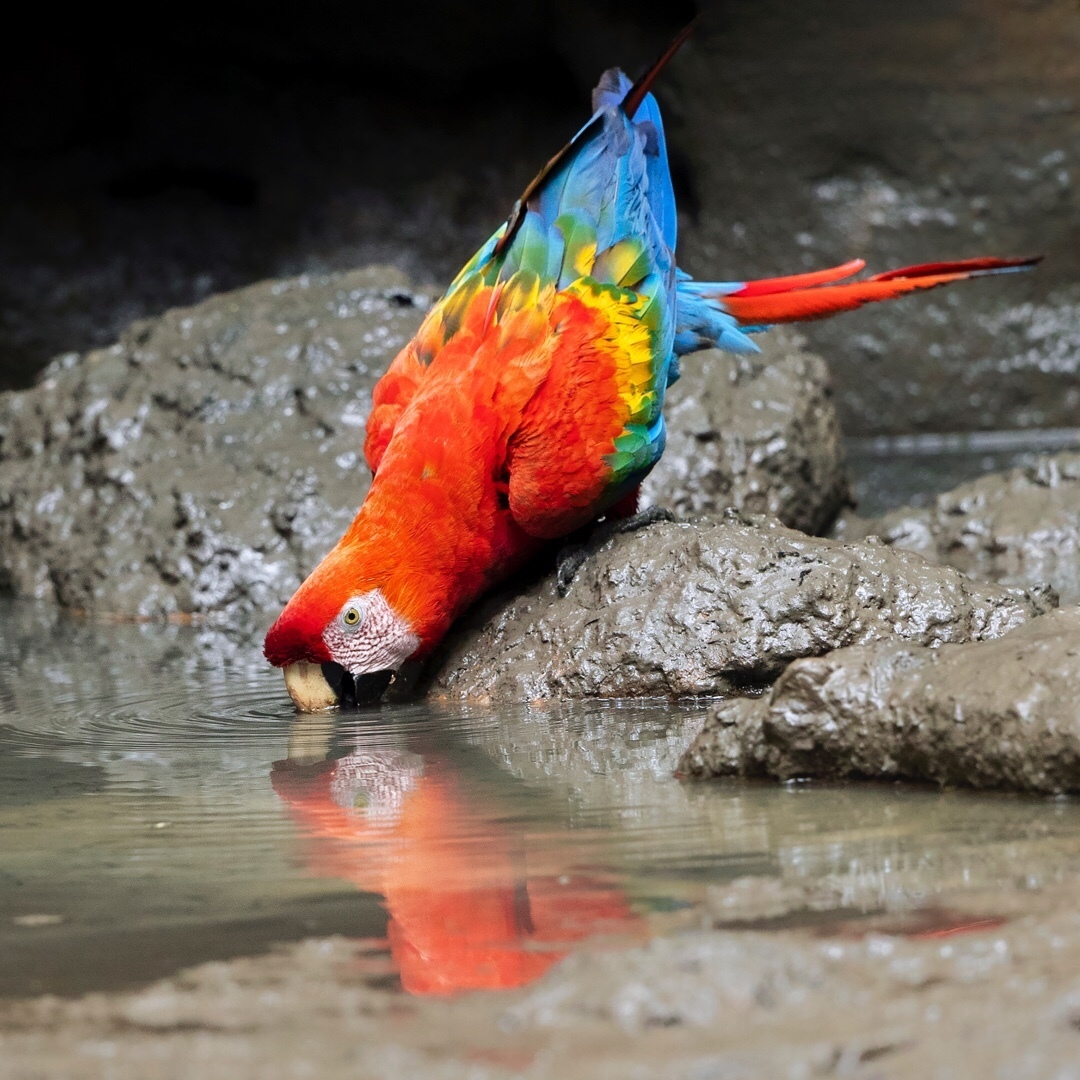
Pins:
x: 892, y: 996
x: 713, y: 607
x: 1019, y: 527
x: 992, y: 714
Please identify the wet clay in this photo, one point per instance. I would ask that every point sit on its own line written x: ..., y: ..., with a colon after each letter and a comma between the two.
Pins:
x: 988, y: 714
x: 758, y: 433
x: 861, y: 1001
x: 714, y: 607
x: 1019, y: 527
x: 206, y: 461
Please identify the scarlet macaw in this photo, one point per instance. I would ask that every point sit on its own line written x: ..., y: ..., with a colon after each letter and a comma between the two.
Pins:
x: 529, y: 403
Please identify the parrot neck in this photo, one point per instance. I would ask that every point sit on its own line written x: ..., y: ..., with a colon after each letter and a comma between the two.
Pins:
x: 433, y: 544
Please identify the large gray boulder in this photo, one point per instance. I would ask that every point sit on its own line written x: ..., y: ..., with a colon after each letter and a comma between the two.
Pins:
x: 757, y: 433
x: 710, y: 608
x: 206, y: 461
x: 209, y: 459
x: 991, y: 714
x: 1019, y: 527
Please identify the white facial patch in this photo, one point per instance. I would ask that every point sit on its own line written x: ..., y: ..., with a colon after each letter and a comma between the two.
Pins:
x: 368, y: 635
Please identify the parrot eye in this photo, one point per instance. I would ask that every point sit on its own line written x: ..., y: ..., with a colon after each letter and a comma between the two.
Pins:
x: 350, y: 617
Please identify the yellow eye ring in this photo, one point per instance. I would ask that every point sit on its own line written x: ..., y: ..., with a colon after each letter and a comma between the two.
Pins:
x: 351, y: 617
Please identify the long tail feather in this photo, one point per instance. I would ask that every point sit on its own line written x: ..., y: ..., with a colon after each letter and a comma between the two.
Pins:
x: 806, y: 296
x: 769, y: 286
x: 636, y: 94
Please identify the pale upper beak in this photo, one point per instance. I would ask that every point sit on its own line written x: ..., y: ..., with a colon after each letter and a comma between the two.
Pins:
x: 318, y: 687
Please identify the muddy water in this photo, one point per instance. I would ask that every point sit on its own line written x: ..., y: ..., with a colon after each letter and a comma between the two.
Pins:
x: 161, y: 805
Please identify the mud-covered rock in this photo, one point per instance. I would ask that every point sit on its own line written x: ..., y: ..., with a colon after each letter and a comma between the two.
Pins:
x: 989, y: 714
x: 712, y: 607
x: 758, y: 433
x: 1019, y: 527
x: 206, y: 461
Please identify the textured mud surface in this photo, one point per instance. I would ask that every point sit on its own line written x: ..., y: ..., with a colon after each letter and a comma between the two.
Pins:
x: 989, y: 714
x: 866, y: 1000
x: 207, y: 461
x: 712, y: 607
x: 756, y: 433
x: 1019, y: 528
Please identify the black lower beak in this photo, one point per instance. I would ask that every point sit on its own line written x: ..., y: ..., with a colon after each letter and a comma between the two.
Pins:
x: 350, y: 689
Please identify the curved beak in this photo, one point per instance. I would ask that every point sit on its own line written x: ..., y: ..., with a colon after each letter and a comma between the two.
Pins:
x: 318, y: 687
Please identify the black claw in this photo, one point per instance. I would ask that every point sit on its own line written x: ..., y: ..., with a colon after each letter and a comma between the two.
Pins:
x: 649, y: 516
x: 570, y: 561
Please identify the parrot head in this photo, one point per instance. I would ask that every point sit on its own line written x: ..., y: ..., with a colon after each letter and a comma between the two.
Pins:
x: 342, y: 635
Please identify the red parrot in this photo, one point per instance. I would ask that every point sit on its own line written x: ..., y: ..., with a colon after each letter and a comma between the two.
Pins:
x: 529, y: 402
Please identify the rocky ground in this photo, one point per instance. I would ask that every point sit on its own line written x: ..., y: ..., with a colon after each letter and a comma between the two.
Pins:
x: 207, y: 460
x: 1017, y: 527
x: 999, y: 714
x: 989, y: 715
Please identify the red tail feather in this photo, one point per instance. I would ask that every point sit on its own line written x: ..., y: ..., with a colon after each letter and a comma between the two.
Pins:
x: 807, y: 296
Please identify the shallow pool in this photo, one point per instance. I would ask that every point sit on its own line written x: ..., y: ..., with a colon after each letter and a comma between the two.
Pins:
x: 161, y: 804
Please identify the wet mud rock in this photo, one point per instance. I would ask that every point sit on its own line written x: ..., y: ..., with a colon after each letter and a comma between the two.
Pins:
x: 712, y: 607
x: 208, y: 460
x: 991, y: 714
x: 758, y: 433
x: 1019, y: 527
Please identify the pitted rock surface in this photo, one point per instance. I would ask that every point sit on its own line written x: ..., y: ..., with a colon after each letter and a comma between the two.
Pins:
x: 710, y: 608
x: 989, y: 714
x: 206, y: 461
x: 758, y: 433
x: 1020, y: 527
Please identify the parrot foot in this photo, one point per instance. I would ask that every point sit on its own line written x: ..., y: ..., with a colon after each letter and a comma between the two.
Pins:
x: 571, y: 559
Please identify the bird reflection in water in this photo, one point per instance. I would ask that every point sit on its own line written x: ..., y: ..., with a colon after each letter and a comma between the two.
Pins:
x: 467, y: 910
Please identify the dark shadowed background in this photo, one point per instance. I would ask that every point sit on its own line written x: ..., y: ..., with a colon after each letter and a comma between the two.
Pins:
x: 146, y: 165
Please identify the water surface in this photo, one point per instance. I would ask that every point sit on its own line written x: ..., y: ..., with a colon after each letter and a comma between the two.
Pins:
x: 161, y: 804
